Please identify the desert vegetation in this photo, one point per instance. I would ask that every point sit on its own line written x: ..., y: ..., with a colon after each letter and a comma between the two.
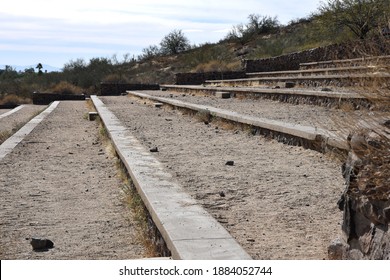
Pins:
x: 261, y: 36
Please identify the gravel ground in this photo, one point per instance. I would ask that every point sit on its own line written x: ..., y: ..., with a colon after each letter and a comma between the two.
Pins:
x: 60, y: 183
x: 278, y: 201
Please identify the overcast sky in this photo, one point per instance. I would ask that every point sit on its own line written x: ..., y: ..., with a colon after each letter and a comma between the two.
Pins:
x: 55, y: 32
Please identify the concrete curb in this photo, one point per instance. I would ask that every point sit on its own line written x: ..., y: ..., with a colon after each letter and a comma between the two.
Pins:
x: 307, y: 93
x: 318, y: 137
x: 188, y: 230
x: 11, y: 112
x: 9, y: 144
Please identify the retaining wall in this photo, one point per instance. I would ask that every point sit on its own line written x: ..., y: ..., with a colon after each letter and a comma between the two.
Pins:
x: 291, y: 61
x: 47, y: 98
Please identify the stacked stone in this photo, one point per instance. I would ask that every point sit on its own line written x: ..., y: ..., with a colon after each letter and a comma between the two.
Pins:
x: 365, y: 201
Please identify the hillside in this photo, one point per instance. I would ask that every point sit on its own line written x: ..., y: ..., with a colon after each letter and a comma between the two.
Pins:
x: 228, y: 54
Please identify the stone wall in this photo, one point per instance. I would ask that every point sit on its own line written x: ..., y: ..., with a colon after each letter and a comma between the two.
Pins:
x: 46, y: 98
x: 200, y: 78
x: 291, y: 61
x: 366, y: 201
x: 119, y: 88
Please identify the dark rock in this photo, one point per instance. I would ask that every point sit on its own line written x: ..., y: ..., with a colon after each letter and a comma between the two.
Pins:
x: 290, y: 84
x: 230, y: 163
x: 41, y: 244
x: 154, y: 150
x: 222, y: 194
x: 387, y: 123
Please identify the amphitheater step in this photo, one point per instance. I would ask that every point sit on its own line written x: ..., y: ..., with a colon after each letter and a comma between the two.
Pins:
x: 325, y: 97
x: 189, y: 231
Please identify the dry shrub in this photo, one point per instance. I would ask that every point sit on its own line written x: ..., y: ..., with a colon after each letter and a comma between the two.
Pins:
x: 66, y: 88
x: 370, y: 143
x: 217, y: 66
x: 13, y: 100
x: 115, y: 78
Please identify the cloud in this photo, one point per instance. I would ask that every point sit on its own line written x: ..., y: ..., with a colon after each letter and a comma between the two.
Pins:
x: 106, y: 27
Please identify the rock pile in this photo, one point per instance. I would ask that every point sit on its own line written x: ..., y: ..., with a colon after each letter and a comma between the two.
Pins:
x: 366, y: 200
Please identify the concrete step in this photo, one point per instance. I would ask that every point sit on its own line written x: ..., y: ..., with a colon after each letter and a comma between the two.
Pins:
x: 364, y: 61
x: 308, y: 137
x: 8, y: 145
x: 322, y: 71
x: 352, y: 80
x: 188, y: 230
x: 295, y: 96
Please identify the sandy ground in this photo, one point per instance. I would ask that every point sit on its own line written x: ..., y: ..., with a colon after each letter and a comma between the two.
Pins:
x: 19, y: 118
x: 2, y: 111
x: 278, y: 201
x: 61, y: 184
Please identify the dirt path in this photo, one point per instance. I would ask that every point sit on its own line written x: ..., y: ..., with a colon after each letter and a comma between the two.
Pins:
x: 61, y: 184
x: 278, y: 201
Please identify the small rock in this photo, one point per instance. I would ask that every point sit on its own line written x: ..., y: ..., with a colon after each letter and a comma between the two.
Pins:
x: 222, y: 194
x: 230, y: 163
x: 41, y: 244
x: 154, y: 150
x: 290, y: 84
x: 250, y: 240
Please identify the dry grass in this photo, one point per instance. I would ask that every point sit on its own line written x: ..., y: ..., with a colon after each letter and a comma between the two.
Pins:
x: 130, y: 197
x: 370, y: 141
x: 217, y: 66
x: 13, y: 100
x: 4, y: 135
x: 65, y: 88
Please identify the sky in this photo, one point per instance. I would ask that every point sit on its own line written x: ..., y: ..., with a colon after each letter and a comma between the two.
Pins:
x: 56, y: 32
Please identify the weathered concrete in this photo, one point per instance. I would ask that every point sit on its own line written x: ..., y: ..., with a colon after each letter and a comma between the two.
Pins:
x: 362, y: 61
x: 11, y: 112
x: 320, y: 71
x: 367, y: 79
x: 223, y: 94
x: 189, y: 231
x: 295, y: 96
x: 15, y: 139
x: 92, y: 116
x: 314, y: 138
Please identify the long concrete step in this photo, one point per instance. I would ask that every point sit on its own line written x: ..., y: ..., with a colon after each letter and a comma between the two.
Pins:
x: 309, y: 137
x: 11, y: 111
x: 295, y: 96
x: 8, y: 145
x: 369, y: 79
x: 188, y: 230
x: 322, y: 71
x: 364, y: 61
